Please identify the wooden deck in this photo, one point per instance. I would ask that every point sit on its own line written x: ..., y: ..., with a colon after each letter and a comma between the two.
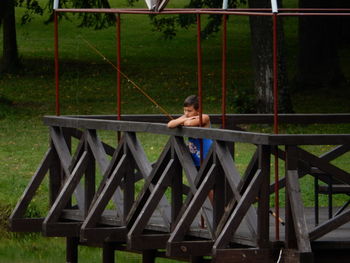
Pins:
x: 172, y: 216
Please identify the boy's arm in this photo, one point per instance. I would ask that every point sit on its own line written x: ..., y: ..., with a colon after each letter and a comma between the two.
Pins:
x: 194, y: 122
x: 177, y: 122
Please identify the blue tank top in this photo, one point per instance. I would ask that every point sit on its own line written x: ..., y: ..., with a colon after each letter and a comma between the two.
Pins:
x: 195, y: 149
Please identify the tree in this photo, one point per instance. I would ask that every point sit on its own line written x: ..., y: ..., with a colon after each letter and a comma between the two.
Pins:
x: 319, y: 40
x: 261, y: 35
x: 10, y: 60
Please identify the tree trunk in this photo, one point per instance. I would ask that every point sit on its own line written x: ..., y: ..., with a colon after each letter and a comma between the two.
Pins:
x: 318, y: 61
x: 10, y: 61
x: 262, y: 50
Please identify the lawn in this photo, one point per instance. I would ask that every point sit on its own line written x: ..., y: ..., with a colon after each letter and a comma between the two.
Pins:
x: 165, y: 69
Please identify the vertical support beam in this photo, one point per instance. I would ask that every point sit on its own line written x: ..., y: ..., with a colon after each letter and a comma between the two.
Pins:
x: 58, y: 110
x: 107, y: 252
x: 90, y: 176
x: 291, y: 240
x: 297, y: 216
x: 55, y: 176
x: 218, y: 199
x: 129, y: 183
x: 72, y: 249
x: 316, y: 200
x: 176, y: 188
x: 264, y: 197
x: 68, y: 140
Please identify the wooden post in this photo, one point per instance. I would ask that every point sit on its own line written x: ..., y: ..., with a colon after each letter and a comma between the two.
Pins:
x: 264, y: 196
x: 107, y: 252
x: 149, y: 256
x: 72, y: 249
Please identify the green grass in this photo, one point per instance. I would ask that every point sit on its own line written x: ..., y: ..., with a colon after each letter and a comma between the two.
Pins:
x: 164, y: 69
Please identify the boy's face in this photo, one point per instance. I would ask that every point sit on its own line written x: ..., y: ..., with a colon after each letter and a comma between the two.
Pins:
x: 190, y: 112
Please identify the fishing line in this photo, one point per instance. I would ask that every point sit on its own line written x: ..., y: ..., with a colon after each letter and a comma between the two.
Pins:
x: 128, y: 79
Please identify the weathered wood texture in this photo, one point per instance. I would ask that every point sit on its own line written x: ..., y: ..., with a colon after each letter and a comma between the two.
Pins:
x: 216, y: 211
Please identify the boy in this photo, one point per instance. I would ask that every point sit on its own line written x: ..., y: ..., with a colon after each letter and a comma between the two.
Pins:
x: 191, y: 118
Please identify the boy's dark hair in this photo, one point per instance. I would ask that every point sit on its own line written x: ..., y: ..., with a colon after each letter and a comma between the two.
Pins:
x: 192, y: 100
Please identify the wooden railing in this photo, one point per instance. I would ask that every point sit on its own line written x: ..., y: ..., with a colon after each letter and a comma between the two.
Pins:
x: 174, y: 209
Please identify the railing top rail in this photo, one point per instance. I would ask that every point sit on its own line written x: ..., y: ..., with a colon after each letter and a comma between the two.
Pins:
x: 210, y: 133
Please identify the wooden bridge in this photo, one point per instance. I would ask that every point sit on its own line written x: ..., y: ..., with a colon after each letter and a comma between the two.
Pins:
x: 216, y: 214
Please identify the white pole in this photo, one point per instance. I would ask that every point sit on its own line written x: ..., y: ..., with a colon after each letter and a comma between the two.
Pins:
x: 55, y: 4
x: 274, y: 6
x: 224, y: 4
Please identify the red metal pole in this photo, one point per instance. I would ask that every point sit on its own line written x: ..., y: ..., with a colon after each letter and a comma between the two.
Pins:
x: 275, y: 119
x: 118, y: 67
x: 199, y: 65
x: 58, y: 110
x: 224, y: 71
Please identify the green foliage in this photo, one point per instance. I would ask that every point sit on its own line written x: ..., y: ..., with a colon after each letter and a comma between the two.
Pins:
x: 170, y: 25
x: 32, y: 8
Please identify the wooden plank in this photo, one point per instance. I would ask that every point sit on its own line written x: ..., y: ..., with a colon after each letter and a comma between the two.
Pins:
x: 32, y: 186
x: 62, y: 229
x: 330, y: 225
x: 294, y: 118
x: 297, y: 207
x: 101, y: 158
x: 151, y: 204
x: 148, y: 241
x: 157, y: 128
x: 117, y: 155
x: 129, y: 184
x: 139, y: 154
x: 90, y: 181
x: 67, y: 190
x: 249, y: 171
x: 295, y: 256
x: 101, y: 202
x: 335, y: 152
x: 233, y: 178
x: 326, y: 167
x: 97, y: 150
x: 104, y: 234
x: 176, y: 188
x: 263, y: 230
x: 190, y: 248
x: 61, y: 148
x: 192, y: 210
x: 245, y: 255
x: 193, y: 177
x: 218, y: 197
x: 55, y: 176
x: 308, y: 139
x: 26, y: 224
x: 243, y: 206
x: 149, y: 186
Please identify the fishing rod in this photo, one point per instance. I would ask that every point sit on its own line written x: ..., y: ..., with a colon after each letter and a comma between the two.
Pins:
x: 128, y: 79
